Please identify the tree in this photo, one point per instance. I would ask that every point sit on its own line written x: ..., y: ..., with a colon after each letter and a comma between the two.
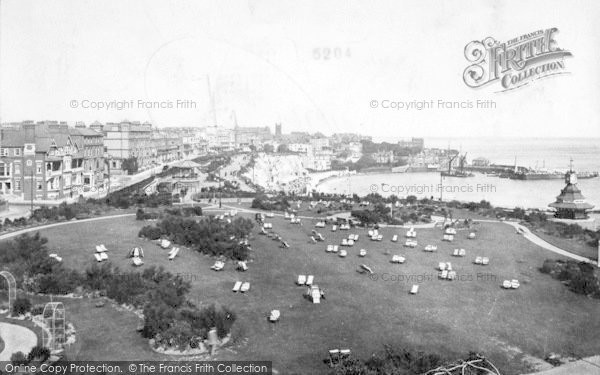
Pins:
x: 130, y: 165
x: 282, y: 148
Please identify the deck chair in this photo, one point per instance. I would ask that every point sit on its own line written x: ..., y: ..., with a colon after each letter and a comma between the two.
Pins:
x: 355, y: 237
x: 301, y: 280
x: 395, y: 238
x: 455, y: 253
x: 471, y: 235
x: 336, y: 248
x: 309, y: 280
x: 103, y: 256
x: 506, y: 284
x: 58, y: 259
x: 329, y: 248
x: 350, y: 242
x: 343, y: 253
x: 366, y: 268
x: 370, y: 233
x: 274, y: 316
x: 362, y: 253
x: 237, y: 286
x: 414, y: 289
x: 245, y: 287
x: 334, y: 228
x: 242, y: 266
x: 451, y: 275
x: 442, y: 266
x: 380, y: 237
x: 137, y: 261
x: 320, y: 237
x: 98, y: 257
x: 478, y: 260
x: 313, y: 239
x: 462, y: 252
x: 514, y: 284
x: 174, y: 253
x: 344, y: 242
x: 103, y: 248
x: 344, y: 352
x: 449, y: 266
x: 485, y: 261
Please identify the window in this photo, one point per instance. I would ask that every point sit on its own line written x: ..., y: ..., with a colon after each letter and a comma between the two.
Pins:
x: 17, y: 152
x: 17, y: 185
x: 38, y: 168
x: 40, y: 185
x: 3, y: 152
x: 17, y: 168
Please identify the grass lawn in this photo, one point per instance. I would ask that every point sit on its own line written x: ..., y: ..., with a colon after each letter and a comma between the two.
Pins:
x: 571, y: 245
x: 359, y: 313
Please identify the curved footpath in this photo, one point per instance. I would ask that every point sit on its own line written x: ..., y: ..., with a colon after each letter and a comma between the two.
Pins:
x: 16, y: 339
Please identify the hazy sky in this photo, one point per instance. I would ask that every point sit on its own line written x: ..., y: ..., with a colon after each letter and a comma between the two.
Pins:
x: 311, y: 65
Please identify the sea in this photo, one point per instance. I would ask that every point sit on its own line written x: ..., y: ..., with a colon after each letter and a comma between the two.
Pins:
x: 548, y: 153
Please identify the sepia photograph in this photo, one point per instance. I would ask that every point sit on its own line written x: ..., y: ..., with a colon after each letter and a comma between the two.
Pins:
x: 279, y: 187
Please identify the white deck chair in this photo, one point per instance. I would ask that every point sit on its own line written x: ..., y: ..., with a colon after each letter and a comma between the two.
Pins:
x: 103, y: 256
x: 336, y: 248
x: 485, y: 261
x: 329, y: 248
x: 451, y: 275
x: 395, y: 238
x: 455, y: 252
x: 471, y: 235
x: 462, y: 252
x: 478, y: 260
x: 53, y: 255
x: 344, y: 352
x: 344, y: 242
x: 350, y: 242
x: 274, y: 316
x: 449, y: 266
x: 320, y: 237
x: 442, y: 266
x: 370, y: 233
x: 380, y: 237
x: 301, y: 280
x: 103, y: 248
x: 98, y: 257
x: 514, y: 284
x: 237, y: 286
x: 334, y: 228
x: 362, y: 252
x: 137, y: 261
x: 414, y: 289
x: 506, y: 284
x: 242, y: 266
x: 355, y: 237
x: 309, y: 280
x: 343, y: 253
x: 313, y: 239
x: 174, y: 253
x: 245, y: 287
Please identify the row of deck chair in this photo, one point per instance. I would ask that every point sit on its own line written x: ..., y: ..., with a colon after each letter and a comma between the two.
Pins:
x: 270, y: 214
x: 448, y: 237
x: 55, y: 256
x: 511, y: 284
x: 346, y: 242
x: 411, y: 233
x: 482, y: 260
x: 398, y: 259
x: 445, y: 266
x: 268, y: 225
x: 173, y: 253
x: 305, y: 280
x: 320, y: 224
x: 450, y: 231
x: 101, y: 248
x: 447, y: 275
x: 218, y: 266
x: 334, y: 353
x: 353, y: 237
x: 378, y: 237
x: 332, y: 248
x: 430, y: 248
x: 100, y: 257
x: 295, y: 220
x: 345, y: 227
x: 241, y: 286
x: 411, y: 243
x: 373, y: 232
x: 459, y: 252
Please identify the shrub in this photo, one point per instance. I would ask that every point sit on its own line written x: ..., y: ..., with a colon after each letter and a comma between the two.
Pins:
x: 150, y: 232
x: 39, y: 353
x: 18, y: 359
x: 37, y: 310
x: 21, y: 306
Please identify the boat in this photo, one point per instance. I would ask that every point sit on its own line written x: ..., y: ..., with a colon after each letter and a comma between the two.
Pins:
x: 543, y: 175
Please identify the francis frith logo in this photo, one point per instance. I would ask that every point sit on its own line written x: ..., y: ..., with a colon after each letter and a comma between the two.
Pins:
x: 514, y: 63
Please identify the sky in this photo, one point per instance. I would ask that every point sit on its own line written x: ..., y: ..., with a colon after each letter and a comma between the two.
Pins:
x: 312, y: 66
